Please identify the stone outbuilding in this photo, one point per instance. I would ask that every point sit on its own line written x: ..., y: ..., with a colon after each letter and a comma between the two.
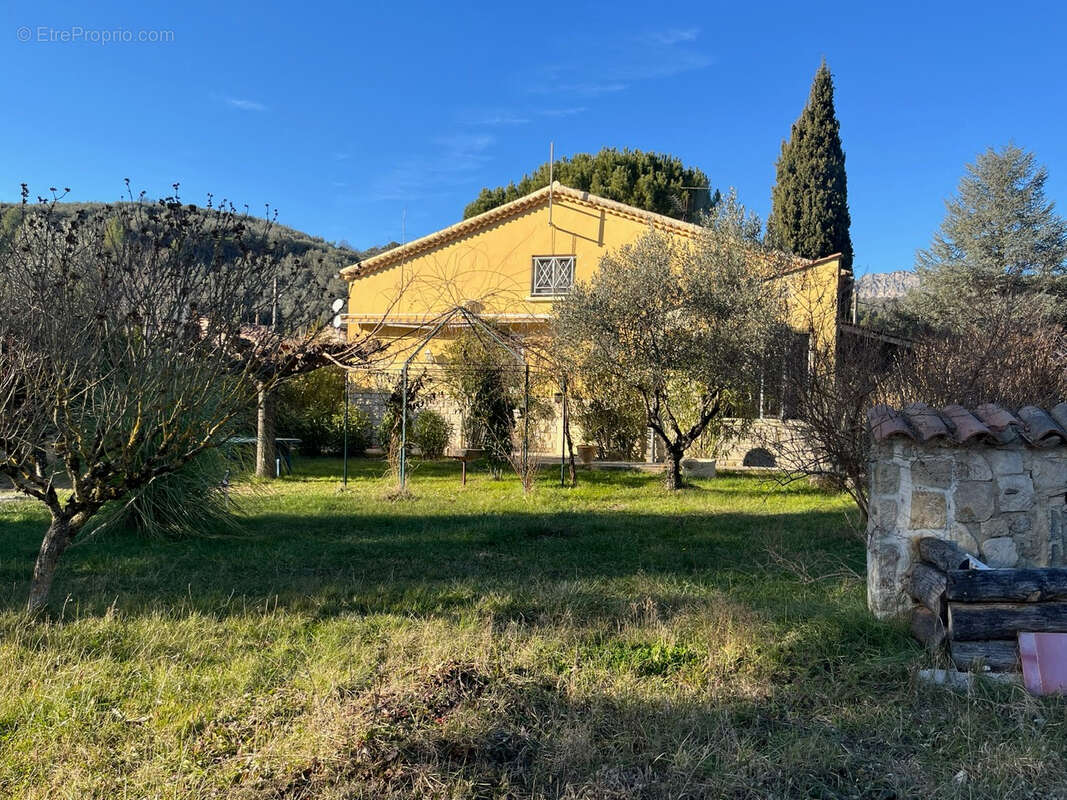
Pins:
x: 990, y: 480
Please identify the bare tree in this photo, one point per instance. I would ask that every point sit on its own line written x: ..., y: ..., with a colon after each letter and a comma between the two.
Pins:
x: 1007, y: 357
x: 673, y: 322
x: 1003, y: 355
x: 830, y: 441
x: 126, y: 350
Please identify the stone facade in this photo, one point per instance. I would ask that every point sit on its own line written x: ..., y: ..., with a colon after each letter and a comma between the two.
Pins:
x: 1003, y: 503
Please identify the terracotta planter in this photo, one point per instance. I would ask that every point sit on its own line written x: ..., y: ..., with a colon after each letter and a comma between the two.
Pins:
x: 586, y: 453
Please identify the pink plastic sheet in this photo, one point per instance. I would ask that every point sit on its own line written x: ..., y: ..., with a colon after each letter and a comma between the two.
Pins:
x: 1044, y: 659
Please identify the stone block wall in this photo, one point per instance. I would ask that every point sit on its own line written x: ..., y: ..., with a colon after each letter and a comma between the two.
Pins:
x: 1003, y: 503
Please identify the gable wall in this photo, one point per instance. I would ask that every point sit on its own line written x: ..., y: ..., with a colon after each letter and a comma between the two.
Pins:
x: 492, y: 267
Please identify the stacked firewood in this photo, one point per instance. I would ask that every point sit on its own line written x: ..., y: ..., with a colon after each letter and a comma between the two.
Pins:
x: 978, y: 612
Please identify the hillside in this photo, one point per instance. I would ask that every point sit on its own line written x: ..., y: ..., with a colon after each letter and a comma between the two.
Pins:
x: 322, y: 260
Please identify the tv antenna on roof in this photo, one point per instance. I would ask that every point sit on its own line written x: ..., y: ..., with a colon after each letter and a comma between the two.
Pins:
x: 551, y: 177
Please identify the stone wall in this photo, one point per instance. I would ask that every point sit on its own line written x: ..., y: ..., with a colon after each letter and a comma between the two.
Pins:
x: 1003, y: 503
x: 768, y: 443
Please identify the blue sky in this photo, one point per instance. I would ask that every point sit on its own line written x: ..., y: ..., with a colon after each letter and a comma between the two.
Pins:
x: 343, y: 116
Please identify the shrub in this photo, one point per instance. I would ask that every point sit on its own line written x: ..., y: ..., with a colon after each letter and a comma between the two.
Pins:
x: 189, y: 502
x: 358, y: 432
x: 481, y: 376
x: 614, y: 420
x: 390, y: 428
x: 311, y: 409
x: 432, y: 433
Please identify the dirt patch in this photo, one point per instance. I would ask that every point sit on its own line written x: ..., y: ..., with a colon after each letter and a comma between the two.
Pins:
x: 407, y: 746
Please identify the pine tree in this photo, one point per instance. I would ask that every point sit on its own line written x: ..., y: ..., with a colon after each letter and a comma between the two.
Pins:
x: 652, y: 181
x: 809, y: 203
x: 1000, y: 248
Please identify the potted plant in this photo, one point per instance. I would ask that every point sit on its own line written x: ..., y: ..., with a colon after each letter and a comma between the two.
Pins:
x: 586, y: 453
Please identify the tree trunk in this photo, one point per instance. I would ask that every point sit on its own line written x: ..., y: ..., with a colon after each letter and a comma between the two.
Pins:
x: 572, y: 472
x: 943, y: 554
x: 1031, y: 585
x: 265, y: 450
x: 970, y: 622
x: 674, y: 469
x: 55, y: 542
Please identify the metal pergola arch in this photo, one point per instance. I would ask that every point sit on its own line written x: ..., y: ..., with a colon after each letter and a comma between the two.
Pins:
x: 479, y: 326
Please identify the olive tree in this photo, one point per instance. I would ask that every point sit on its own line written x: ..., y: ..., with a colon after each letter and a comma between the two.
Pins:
x: 674, y: 320
x: 128, y: 346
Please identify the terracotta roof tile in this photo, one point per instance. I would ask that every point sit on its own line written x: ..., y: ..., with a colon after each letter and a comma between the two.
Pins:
x: 1059, y: 413
x: 1041, y: 429
x: 886, y: 423
x: 955, y: 424
x: 926, y: 421
x: 1002, y: 423
x: 965, y: 425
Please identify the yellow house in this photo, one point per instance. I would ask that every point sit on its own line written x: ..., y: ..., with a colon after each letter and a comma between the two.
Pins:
x: 512, y: 262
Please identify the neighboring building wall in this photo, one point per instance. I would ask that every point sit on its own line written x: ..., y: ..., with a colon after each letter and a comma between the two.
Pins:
x: 1002, y: 501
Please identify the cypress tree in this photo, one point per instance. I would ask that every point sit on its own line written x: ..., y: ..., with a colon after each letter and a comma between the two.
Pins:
x: 809, y: 202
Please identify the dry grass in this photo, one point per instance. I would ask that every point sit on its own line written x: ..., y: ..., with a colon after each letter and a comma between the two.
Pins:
x: 607, y: 642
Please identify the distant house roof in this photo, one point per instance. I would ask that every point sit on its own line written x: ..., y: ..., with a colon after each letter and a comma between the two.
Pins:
x: 956, y: 425
x: 492, y: 216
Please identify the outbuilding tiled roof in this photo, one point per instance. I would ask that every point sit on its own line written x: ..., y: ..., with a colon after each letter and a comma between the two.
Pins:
x: 955, y: 424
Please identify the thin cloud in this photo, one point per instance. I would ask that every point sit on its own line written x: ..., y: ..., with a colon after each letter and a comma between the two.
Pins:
x: 584, y: 89
x: 503, y: 118
x: 563, y: 112
x: 524, y: 117
x: 673, y: 36
x: 463, y: 150
x: 649, y: 56
x: 456, y: 158
x: 245, y: 105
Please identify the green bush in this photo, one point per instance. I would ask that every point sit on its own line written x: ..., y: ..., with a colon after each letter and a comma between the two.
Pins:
x: 432, y: 433
x: 612, y: 417
x: 192, y: 501
x: 481, y: 376
x: 311, y: 409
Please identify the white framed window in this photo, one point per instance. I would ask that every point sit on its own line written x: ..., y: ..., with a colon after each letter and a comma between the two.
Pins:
x: 552, y: 275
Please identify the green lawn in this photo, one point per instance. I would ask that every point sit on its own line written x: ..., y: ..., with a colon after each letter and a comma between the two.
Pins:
x: 612, y: 641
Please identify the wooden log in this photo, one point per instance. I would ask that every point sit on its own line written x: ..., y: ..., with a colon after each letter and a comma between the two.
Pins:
x: 927, y: 586
x: 927, y: 627
x: 981, y: 621
x: 1023, y: 585
x: 1000, y: 655
x: 943, y: 554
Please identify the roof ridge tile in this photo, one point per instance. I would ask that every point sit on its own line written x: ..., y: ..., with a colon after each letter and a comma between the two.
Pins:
x: 1041, y: 429
x: 957, y: 425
